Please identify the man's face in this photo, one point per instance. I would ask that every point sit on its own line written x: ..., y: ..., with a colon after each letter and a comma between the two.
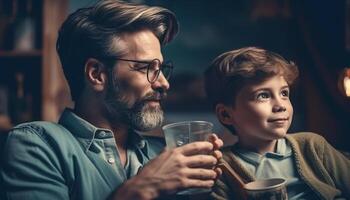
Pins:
x: 131, y: 98
x: 263, y: 111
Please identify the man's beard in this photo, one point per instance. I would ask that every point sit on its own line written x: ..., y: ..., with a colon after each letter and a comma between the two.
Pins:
x: 137, y: 114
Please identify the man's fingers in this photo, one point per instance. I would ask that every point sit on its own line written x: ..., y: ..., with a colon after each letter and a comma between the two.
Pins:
x: 197, y: 183
x: 217, y: 154
x: 216, y: 141
x: 218, y: 171
x: 201, y: 174
x: 196, y: 148
x: 203, y: 161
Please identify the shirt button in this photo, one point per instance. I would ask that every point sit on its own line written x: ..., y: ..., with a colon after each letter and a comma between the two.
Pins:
x: 102, y: 134
x: 111, y: 160
x: 142, y: 144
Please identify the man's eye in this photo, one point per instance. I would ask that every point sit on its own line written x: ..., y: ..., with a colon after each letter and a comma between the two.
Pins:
x: 285, y: 93
x: 141, y: 68
x: 263, y: 95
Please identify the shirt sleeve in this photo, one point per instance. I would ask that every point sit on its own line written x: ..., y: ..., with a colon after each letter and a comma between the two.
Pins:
x: 31, y: 168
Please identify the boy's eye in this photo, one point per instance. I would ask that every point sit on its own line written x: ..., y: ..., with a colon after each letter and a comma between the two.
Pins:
x: 285, y: 93
x: 263, y: 95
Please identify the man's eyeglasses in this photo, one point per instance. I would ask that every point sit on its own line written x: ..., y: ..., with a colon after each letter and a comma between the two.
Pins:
x: 152, y: 68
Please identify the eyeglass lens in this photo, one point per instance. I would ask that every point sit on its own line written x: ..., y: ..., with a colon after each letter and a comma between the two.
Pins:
x: 154, y: 70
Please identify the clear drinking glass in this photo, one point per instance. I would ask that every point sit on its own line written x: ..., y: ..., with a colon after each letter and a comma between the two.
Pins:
x: 181, y: 133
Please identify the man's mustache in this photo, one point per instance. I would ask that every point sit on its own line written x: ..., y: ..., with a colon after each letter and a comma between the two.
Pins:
x: 155, y: 96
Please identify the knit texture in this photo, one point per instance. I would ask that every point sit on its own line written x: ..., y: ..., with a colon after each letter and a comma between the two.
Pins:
x: 325, y: 170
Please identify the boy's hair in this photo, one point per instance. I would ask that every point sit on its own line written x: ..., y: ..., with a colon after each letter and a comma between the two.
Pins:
x: 232, y: 70
x: 90, y: 32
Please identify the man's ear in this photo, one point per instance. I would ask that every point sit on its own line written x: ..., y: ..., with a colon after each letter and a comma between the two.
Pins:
x: 224, y: 114
x: 95, y: 74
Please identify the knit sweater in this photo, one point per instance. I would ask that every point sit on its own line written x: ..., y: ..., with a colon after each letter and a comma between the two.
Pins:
x: 325, y: 170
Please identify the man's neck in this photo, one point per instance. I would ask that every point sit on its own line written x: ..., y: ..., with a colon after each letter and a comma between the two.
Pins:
x: 96, y: 118
x: 93, y: 115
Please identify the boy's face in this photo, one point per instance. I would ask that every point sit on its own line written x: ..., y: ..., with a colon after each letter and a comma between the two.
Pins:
x: 262, y: 111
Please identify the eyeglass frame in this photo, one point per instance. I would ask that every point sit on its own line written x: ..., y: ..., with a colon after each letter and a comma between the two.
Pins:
x: 167, y: 64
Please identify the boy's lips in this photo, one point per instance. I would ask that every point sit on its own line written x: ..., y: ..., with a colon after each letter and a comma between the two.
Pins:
x: 280, y: 122
x: 281, y: 119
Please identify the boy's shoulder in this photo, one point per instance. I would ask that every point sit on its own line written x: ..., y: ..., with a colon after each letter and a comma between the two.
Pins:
x: 297, y: 140
x: 310, y: 142
x: 305, y: 138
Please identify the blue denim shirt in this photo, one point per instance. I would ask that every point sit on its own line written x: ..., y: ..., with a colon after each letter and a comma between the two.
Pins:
x: 70, y: 160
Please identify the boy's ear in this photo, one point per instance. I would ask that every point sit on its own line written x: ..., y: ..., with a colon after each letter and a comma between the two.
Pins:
x: 95, y: 74
x: 224, y: 114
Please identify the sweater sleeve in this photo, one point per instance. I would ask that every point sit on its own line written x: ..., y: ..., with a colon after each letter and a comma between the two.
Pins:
x: 227, y: 188
x: 338, y: 167
x: 220, y: 190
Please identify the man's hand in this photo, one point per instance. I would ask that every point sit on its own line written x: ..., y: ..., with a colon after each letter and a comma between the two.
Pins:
x: 188, y: 166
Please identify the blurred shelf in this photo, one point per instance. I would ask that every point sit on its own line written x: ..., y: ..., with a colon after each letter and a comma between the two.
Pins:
x: 40, y: 74
x: 16, y: 54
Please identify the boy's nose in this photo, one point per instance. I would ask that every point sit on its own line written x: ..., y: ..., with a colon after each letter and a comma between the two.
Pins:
x: 278, y: 106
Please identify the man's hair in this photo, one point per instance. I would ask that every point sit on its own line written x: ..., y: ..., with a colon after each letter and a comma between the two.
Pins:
x: 232, y: 70
x: 90, y: 32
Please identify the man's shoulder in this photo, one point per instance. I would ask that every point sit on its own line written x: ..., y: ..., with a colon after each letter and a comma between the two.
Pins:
x: 40, y: 128
x: 37, y: 125
x: 48, y: 132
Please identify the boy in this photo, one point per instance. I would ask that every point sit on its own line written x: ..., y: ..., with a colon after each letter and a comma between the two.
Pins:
x: 249, y: 89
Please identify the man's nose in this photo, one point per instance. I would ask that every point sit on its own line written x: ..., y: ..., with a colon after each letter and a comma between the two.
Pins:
x: 161, y: 83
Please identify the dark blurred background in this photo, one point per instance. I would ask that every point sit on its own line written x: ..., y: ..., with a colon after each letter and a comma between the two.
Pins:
x: 315, y: 34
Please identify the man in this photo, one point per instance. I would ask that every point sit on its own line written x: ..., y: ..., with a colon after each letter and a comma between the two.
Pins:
x: 111, y: 57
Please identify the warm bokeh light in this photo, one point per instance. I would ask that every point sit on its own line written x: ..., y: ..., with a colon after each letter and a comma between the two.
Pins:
x: 344, y: 82
x: 347, y: 86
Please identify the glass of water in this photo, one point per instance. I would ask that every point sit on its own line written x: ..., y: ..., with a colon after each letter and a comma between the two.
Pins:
x: 181, y: 133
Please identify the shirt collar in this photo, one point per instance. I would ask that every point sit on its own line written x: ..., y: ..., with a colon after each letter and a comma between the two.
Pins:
x: 137, y: 139
x: 283, y: 150
x: 86, y: 132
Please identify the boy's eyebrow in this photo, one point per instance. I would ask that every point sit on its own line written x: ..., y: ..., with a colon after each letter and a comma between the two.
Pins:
x: 259, y: 89
x: 286, y: 86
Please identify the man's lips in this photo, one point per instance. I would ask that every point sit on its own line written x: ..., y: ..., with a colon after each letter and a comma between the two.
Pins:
x: 153, y: 101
